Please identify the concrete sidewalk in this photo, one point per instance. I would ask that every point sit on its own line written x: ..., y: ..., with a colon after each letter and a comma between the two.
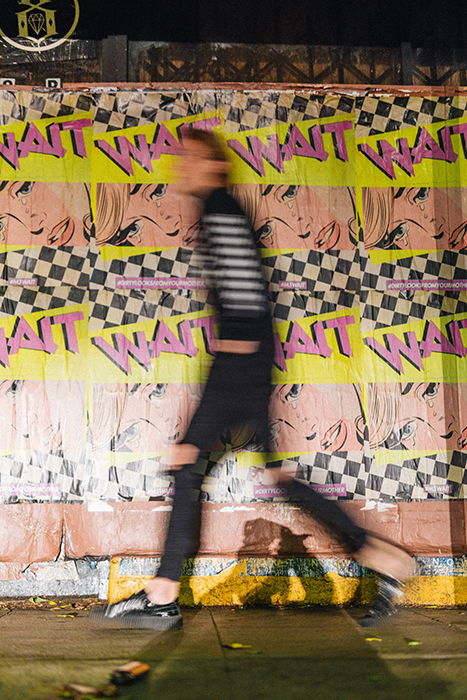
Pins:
x: 295, y: 653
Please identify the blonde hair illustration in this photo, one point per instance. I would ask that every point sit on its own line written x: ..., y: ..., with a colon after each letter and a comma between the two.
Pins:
x: 377, y: 214
x: 383, y: 410
x: 249, y: 198
x: 112, y: 199
x: 108, y: 403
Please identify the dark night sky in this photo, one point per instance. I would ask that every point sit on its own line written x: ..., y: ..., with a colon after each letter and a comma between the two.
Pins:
x: 329, y: 22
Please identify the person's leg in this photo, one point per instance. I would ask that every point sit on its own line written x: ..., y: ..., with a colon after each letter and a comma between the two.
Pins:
x: 182, y: 538
x: 225, y: 403
x: 156, y: 605
x: 325, y: 510
x: 392, y: 563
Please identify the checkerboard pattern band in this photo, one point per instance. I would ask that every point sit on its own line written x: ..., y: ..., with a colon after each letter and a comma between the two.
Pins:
x: 322, y: 272
x: 114, y: 108
x: 381, y: 310
x: 381, y: 307
x: 241, y: 110
x: 122, y: 307
x: 434, y: 476
x: 383, y: 113
x: 42, y: 477
x: 25, y: 105
x: 20, y: 301
x: 48, y: 266
x: 293, y: 306
x: 173, y: 262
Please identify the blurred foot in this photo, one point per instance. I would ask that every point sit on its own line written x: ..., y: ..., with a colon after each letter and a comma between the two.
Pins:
x: 386, y: 558
x: 384, y: 607
x: 162, y: 591
x: 137, y: 612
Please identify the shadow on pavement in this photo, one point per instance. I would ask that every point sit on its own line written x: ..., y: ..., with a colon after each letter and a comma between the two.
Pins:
x: 298, y: 652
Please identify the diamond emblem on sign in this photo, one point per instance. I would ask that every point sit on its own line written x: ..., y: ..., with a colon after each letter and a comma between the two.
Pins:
x: 36, y: 22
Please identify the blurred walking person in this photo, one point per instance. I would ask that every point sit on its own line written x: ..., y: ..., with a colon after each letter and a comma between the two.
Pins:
x: 237, y: 392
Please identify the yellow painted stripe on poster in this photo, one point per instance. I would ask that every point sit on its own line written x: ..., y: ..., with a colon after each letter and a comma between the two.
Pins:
x: 114, y: 252
x: 246, y: 459
x: 382, y: 457
x: 13, y: 247
x: 274, y: 252
x: 117, y: 459
x: 258, y: 459
x: 48, y: 150
x: 379, y: 257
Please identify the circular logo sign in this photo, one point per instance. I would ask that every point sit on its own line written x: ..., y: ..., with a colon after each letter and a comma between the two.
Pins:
x: 38, y: 25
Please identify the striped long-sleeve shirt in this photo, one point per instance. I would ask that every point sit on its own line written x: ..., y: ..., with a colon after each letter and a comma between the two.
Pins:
x: 233, y: 266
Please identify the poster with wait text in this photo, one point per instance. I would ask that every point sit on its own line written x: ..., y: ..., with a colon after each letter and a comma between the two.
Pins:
x: 359, y: 211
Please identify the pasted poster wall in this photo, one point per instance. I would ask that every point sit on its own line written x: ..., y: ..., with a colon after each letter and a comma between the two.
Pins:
x: 106, y: 331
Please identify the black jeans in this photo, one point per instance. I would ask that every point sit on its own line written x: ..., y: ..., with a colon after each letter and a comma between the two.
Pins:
x: 237, y: 392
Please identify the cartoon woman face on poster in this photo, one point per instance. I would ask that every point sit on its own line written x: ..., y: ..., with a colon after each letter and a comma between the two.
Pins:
x: 141, y: 417
x: 145, y: 215
x: 316, y: 417
x: 415, y: 218
x: 44, y: 416
x: 44, y: 213
x: 418, y: 416
x: 299, y: 216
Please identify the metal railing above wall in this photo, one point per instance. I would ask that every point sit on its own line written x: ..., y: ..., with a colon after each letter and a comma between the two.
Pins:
x: 116, y: 59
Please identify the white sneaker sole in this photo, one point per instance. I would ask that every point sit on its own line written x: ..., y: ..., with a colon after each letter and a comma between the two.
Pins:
x: 147, y: 622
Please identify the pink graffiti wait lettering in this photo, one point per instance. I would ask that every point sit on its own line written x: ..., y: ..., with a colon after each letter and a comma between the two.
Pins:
x: 182, y: 341
x: 439, y: 147
x: 414, y: 351
x: 256, y: 151
x: 25, y: 337
x: 48, y: 144
x: 125, y: 151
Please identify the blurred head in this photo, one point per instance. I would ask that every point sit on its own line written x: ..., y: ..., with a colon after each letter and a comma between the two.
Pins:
x: 204, y: 165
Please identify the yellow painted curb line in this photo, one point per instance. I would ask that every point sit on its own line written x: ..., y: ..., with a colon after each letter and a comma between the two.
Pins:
x: 234, y: 587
